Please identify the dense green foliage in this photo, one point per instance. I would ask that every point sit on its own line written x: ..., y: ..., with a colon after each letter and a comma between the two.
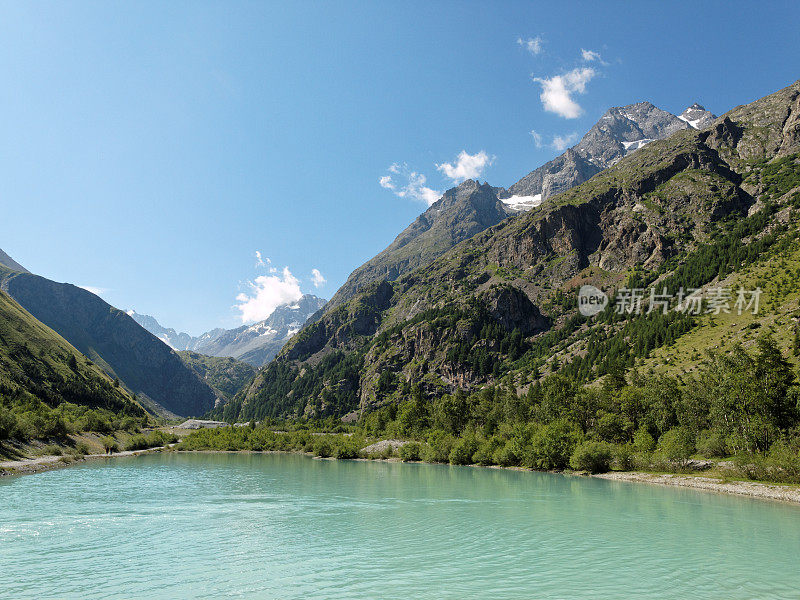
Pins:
x: 264, y: 438
x: 225, y: 375
x: 742, y: 403
x: 153, y: 439
x: 286, y: 383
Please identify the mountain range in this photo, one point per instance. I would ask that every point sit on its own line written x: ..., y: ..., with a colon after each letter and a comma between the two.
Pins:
x: 472, y: 207
x: 698, y: 208
x: 254, y: 344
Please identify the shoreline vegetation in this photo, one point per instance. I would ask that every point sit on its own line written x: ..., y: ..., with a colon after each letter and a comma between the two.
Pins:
x: 737, y: 421
x: 34, y: 456
x: 735, y: 417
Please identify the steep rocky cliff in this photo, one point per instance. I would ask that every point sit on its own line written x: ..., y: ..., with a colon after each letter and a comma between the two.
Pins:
x: 459, y: 214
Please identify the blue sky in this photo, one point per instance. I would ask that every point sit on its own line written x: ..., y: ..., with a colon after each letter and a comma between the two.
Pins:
x: 150, y: 149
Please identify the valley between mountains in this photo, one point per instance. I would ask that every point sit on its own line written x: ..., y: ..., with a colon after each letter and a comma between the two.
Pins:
x: 462, y: 339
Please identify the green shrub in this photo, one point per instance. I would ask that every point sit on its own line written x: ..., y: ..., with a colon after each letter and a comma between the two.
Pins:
x: 130, y: 424
x: 440, y: 444
x: 109, y: 444
x: 783, y: 462
x: 94, y: 421
x: 624, y: 457
x: 712, y: 443
x: 593, y: 456
x: 613, y: 428
x: 675, y: 447
x: 411, y: 451
x: 323, y: 447
x: 462, y: 451
x: 506, y: 455
x: 137, y: 442
x: 484, y: 455
x: 9, y: 428
x: 154, y: 439
x: 346, y: 447
x: 50, y: 450
x: 643, y: 441
x: 81, y: 449
x: 552, y: 445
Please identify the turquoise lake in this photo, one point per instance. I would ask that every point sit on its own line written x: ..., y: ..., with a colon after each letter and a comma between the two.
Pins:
x: 286, y: 526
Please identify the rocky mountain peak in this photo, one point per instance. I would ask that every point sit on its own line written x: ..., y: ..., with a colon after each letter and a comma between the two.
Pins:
x: 620, y: 131
x: 697, y: 117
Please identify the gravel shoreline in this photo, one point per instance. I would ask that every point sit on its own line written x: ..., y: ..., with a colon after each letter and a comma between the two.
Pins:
x: 29, y: 466
x: 751, y: 489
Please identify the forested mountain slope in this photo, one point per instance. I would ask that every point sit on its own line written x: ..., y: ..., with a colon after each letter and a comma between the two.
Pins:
x: 687, y: 211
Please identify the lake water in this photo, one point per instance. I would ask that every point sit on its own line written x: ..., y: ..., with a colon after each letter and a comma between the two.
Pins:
x: 285, y: 526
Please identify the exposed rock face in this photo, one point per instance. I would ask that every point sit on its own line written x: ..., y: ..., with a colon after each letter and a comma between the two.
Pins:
x: 358, y: 318
x: 173, y: 339
x: 697, y: 116
x: 459, y: 214
x: 555, y: 176
x: 113, y: 340
x: 510, y: 307
x: 620, y: 131
x: 470, y: 208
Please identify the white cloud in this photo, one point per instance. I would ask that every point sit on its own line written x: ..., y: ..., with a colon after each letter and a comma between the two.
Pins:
x: 532, y: 45
x: 562, y: 142
x: 412, y: 187
x: 317, y: 279
x: 590, y: 55
x: 467, y: 166
x: 268, y: 292
x: 537, y: 139
x: 97, y: 291
x: 557, y: 91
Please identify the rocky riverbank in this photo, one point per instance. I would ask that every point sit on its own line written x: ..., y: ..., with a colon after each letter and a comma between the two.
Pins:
x: 27, y: 466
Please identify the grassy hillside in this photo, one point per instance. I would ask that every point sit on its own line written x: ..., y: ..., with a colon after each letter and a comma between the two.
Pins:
x: 48, y: 388
x: 113, y: 340
x: 225, y: 375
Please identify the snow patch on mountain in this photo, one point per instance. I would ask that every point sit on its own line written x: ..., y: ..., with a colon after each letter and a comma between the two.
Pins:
x: 522, y: 203
x: 635, y: 145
